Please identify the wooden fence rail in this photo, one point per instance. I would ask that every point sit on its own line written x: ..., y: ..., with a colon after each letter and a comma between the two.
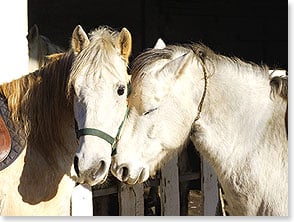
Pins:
x: 132, y: 200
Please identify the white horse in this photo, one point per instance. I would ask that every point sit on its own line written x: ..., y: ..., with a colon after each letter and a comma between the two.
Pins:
x: 229, y: 109
x: 88, y: 83
x: 100, y: 101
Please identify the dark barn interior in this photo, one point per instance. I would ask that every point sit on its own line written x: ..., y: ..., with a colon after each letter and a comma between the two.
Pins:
x: 252, y: 30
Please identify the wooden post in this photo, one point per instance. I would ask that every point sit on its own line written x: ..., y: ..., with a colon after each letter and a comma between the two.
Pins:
x: 209, y: 189
x: 169, y: 188
x: 131, y: 200
x: 82, y: 201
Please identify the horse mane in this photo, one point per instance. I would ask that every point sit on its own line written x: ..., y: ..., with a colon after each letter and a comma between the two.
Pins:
x: 149, y: 56
x: 202, y: 52
x: 39, y: 104
x: 279, y: 86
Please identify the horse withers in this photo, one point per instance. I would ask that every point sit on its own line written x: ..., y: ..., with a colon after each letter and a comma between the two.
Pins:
x: 226, y: 106
x: 83, y: 88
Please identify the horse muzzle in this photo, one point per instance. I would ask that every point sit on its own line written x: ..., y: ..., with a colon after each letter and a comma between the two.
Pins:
x: 95, y: 174
x: 129, y: 173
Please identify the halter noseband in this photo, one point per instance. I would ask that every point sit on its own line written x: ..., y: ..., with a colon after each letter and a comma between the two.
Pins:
x: 105, y: 136
x: 96, y: 132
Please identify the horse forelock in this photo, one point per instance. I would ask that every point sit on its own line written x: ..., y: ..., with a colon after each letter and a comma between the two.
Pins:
x: 104, y: 32
x: 101, y: 53
x: 38, y: 102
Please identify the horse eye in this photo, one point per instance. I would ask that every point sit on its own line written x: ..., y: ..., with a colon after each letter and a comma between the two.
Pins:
x: 121, y: 90
x: 149, y: 111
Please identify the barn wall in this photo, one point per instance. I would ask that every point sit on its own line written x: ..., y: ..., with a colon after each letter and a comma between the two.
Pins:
x: 253, y: 30
x: 14, y: 49
x: 249, y: 29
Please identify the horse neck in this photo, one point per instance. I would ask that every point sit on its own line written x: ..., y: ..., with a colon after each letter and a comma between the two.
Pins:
x: 235, y: 115
x: 241, y: 133
x: 39, y: 103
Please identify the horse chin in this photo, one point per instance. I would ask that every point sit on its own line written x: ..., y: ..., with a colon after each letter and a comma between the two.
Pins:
x: 74, y: 176
x: 153, y: 174
x: 132, y: 181
x: 141, y: 177
x: 88, y: 180
x: 99, y: 182
x: 91, y: 182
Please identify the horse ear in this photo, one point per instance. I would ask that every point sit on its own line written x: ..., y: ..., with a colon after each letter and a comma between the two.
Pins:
x: 52, y: 57
x: 79, y: 39
x: 33, y: 33
x: 159, y: 44
x: 125, y: 43
x: 176, y: 66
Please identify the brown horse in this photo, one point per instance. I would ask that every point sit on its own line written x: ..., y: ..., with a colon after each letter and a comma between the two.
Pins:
x: 40, y: 112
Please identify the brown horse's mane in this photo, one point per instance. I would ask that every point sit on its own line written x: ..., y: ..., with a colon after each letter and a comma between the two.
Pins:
x: 39, y: 103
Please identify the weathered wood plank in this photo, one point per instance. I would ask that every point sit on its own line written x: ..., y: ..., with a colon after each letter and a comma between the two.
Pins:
x: 105, y: 191
x: 189, y: 176
x: 209, y: 189
x: 169, y: 188
x: 131, y: 200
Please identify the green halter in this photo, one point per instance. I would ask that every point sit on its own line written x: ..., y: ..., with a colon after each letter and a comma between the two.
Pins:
x: 96, y: 132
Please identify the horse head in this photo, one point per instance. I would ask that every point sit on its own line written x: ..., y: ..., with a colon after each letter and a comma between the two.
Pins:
x: 159, y: 120
x: 39, y: 47
x: 233, y: 111
x: 99, y: 82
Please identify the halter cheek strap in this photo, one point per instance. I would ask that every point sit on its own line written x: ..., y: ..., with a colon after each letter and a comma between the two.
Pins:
x: 204, y: 92
x: 201, y: 56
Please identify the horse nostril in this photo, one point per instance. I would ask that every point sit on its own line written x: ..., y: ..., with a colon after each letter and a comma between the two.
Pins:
x: 102, y: 166
x: 100, y: 169
x: 124, y: 171
x: 76, y: 165
x: 142, y: 175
